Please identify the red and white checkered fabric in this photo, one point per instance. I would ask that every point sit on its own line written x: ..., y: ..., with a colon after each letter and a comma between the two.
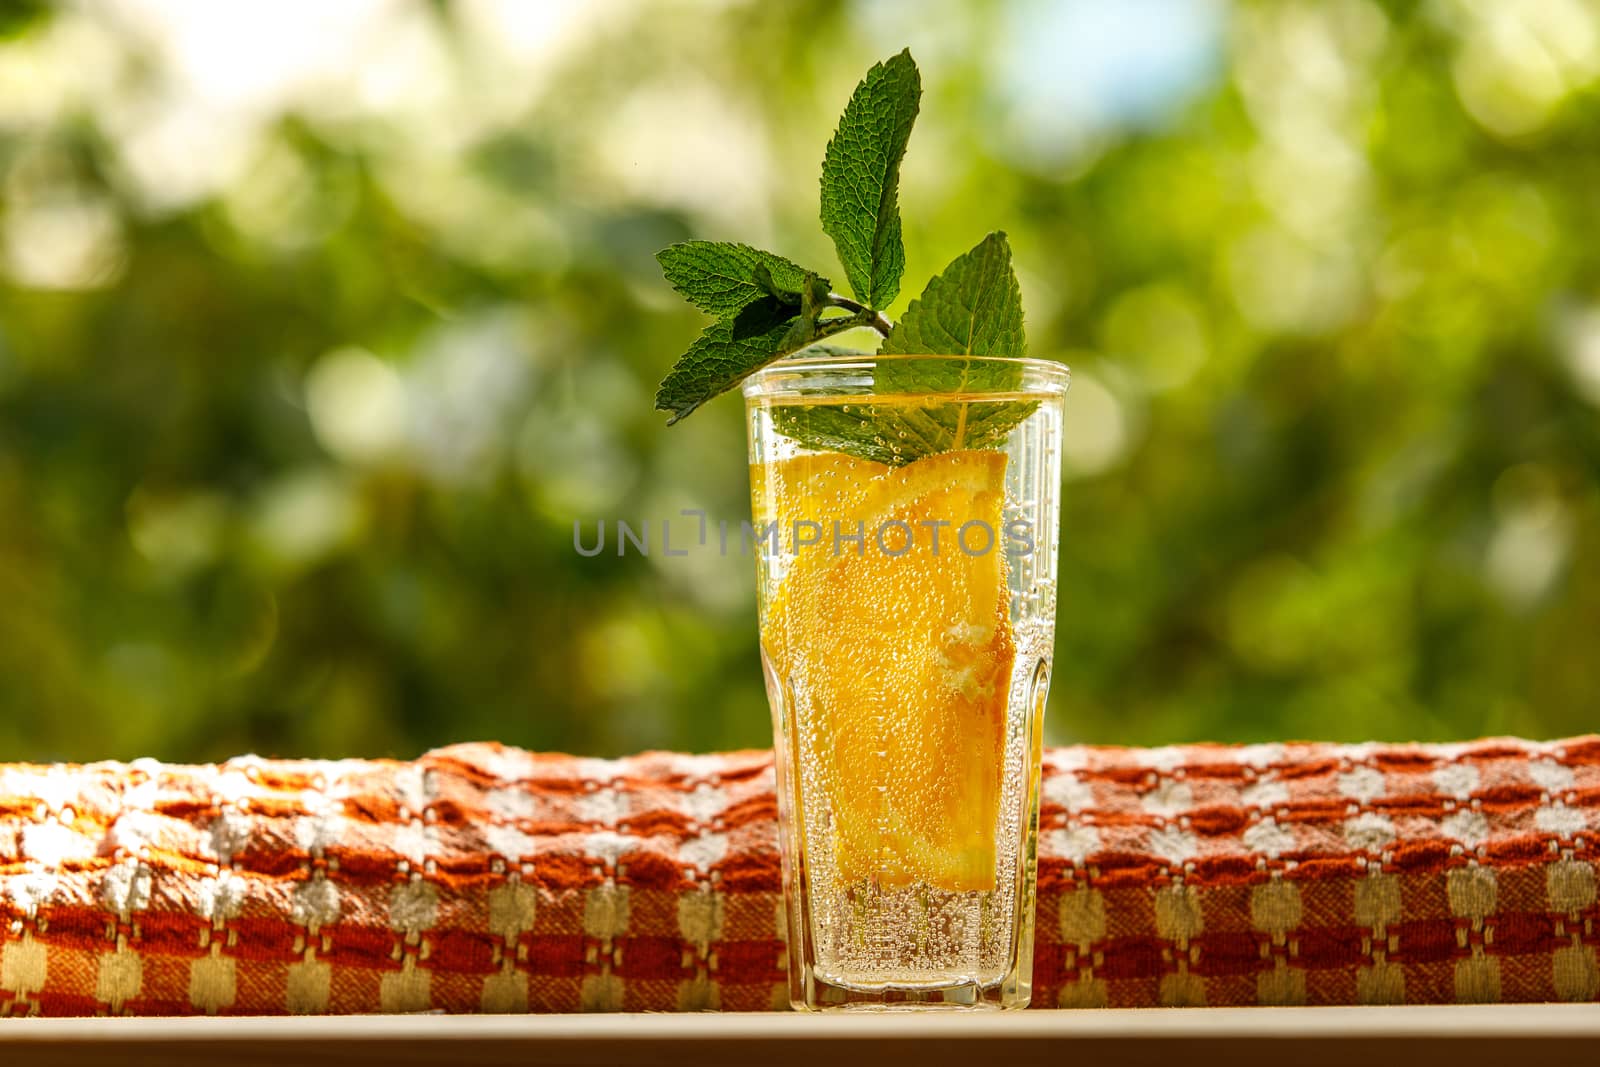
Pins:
x: 481, y: 878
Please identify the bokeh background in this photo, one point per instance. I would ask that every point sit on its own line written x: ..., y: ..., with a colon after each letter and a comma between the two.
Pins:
x: 323, y: 321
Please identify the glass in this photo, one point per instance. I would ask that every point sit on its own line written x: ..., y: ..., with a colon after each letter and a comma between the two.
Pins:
x: 906, y: 546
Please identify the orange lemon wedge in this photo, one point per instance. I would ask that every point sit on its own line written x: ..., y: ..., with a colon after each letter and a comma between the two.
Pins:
x: 897, y: 652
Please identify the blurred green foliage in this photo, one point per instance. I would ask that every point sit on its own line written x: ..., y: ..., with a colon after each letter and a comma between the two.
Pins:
x: 306, y: 373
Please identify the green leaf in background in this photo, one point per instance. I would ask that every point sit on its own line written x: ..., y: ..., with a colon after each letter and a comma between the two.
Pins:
x: 722, y: 278
x: 861, y: 179
x: 190, y: 568
x: 973, y: 308
x: 18, y: 17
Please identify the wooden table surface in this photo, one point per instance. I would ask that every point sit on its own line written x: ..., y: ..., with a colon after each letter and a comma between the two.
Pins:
x: 1543, y: 1035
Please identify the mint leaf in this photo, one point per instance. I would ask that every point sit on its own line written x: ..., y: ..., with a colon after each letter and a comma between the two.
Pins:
x: 852, y: 429
x: 766, y: 307
x: 830, y: 428
x: 760, y: 317
x: 725, y: 353
x: 764, y: 282
x: 722, y: 278
x: 973, y: 308
x: 861, y: 179
x: 733, y: 348
x: 900, y: 432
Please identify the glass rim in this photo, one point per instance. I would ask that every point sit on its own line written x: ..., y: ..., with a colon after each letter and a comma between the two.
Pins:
x: 1042, y: 376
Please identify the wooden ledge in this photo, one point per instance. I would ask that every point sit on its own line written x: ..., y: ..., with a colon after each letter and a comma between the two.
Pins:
x: 1462, y: 1036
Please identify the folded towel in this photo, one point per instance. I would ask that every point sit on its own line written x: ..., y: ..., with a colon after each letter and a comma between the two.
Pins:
x: 484, y: 878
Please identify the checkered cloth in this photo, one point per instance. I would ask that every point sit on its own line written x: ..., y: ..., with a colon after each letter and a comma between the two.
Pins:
x: 482, y: 878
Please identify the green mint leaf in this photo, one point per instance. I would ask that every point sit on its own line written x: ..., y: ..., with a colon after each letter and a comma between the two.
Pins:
x: 861, y: 179
x: 832, y: 429
x: 764, y: 282
x: 901, y: 433
x: 722, y: 278
x: 725, y: 353
x: 835, y: 428
x: 765, y: 306
x: 731, y: 349
x: 762, y: 316
x: 974, y: 308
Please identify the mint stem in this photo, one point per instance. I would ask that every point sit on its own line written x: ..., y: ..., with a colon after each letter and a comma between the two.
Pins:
x: 876, y: 319
x: 826, y: 328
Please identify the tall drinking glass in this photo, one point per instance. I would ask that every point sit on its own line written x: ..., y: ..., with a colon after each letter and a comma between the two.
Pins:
x: 905, y: 514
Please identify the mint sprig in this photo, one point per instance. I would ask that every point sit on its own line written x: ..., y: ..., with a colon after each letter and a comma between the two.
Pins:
x: 973, y: 308
x: 766, y: 307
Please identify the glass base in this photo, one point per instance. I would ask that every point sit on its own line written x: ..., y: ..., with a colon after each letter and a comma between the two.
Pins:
x: 816, y: 993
